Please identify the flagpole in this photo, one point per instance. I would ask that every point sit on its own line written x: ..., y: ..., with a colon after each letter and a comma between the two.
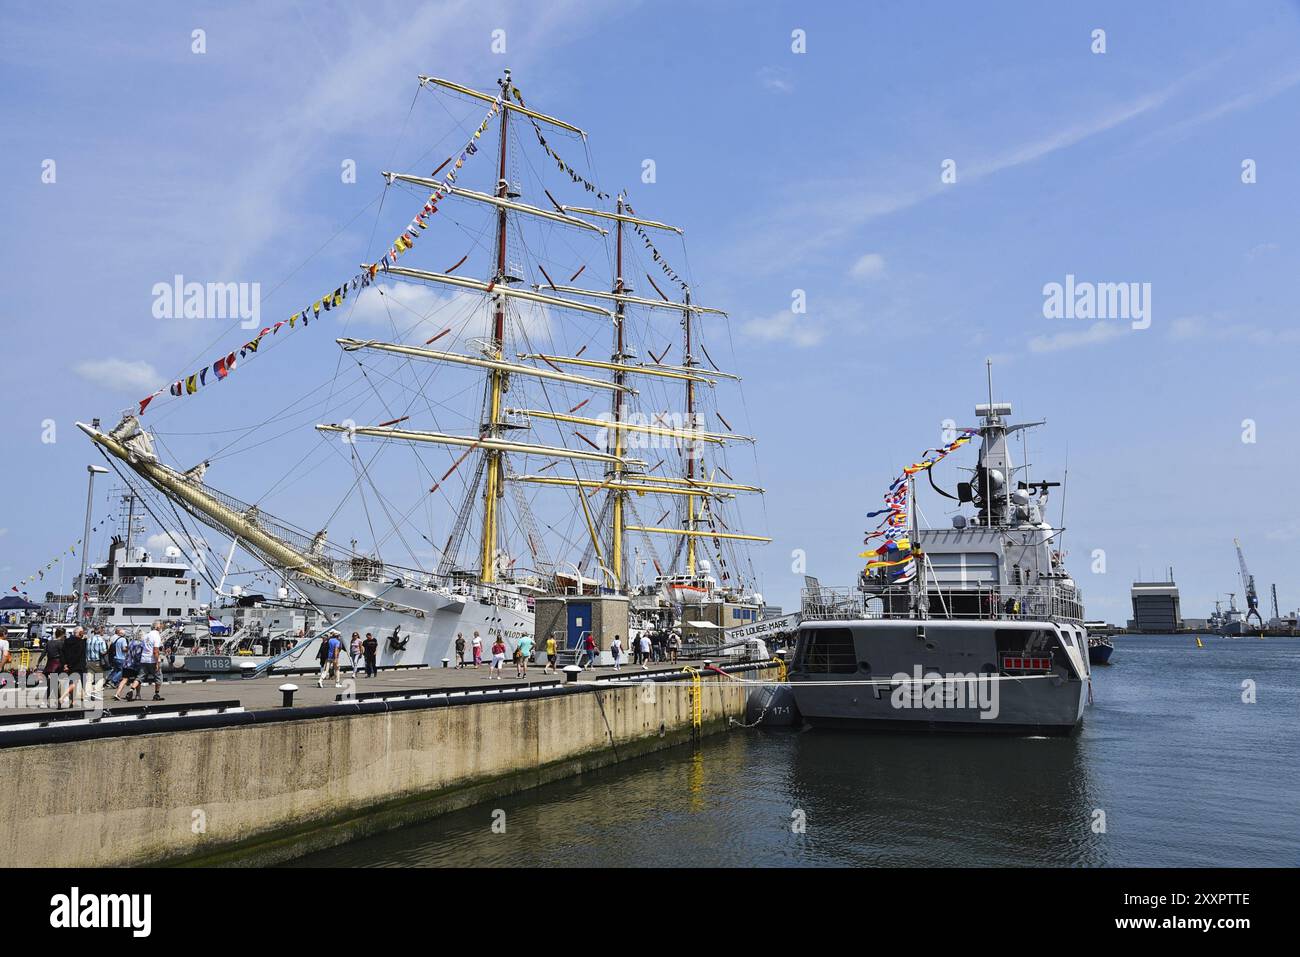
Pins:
x: 915, y: 550
x: 92, y: 470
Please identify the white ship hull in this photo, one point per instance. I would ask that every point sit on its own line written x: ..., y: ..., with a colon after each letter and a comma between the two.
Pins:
x: 427, y: 622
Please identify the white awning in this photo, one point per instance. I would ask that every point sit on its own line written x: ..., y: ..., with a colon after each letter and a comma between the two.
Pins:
x: 703, y: 624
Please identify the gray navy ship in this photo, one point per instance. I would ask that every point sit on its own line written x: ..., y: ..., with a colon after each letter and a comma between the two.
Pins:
x: 975, y: 627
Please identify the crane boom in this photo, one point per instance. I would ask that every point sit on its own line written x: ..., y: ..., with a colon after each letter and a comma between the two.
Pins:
x: 1248, y: 582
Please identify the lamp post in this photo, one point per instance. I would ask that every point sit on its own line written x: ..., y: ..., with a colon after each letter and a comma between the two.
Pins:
x: 85, y: 538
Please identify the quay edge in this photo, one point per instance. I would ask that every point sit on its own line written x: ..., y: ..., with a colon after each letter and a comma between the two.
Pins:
x: 262, y: 793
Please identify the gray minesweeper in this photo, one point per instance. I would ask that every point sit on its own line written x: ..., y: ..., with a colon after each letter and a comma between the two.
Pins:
x: 982, y: 631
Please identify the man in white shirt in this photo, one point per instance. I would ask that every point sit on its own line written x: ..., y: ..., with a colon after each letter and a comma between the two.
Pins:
x: 151, y: 660
x: 5, y: 656
x: 645, y: 651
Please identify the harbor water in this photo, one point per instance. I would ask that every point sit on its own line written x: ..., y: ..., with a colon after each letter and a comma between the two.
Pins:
x: 1171, y: 768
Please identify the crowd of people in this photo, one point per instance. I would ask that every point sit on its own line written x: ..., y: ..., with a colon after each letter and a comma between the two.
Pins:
x: 359, y: 650
x: 130, y: 660
x: 647, y: 648
x: 123, y: 662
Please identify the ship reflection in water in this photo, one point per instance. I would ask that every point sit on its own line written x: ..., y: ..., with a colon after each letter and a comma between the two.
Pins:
x: 1185, y: 772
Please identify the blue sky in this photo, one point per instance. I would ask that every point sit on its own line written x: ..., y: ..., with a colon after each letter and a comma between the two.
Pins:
x: 817, y: 171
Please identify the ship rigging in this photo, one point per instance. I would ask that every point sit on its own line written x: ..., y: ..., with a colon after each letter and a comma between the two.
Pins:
x: 568, y: 458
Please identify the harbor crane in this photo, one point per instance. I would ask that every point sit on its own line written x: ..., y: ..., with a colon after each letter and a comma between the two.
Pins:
x: 1248, y: 581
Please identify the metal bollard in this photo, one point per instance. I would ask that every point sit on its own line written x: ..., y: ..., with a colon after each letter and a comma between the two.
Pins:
x: 287, y: 691
x: 446, y: 662
x: 571, y: 673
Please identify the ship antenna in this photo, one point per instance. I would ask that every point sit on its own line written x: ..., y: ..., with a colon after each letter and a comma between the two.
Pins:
x: 988, y: 483
x: 1065, y: 488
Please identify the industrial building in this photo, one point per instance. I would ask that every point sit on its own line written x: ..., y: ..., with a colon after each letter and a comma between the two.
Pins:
x: 1156, y: 608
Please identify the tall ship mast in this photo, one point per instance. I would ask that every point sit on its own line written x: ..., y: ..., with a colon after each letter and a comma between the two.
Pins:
x: 542, y: 468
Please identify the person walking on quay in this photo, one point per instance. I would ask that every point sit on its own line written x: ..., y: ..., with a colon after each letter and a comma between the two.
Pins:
x: 322, y: 655
x: 74, y: 663
x: 96, y: 653
x: 478, y: 649
x: 354, y: 654
x: 674, y: 646
x: 525, y: 651
x: 333, y: 648
x: 51, y: 654
x: 131, y: 667
x: 590, y: 647
x: 460, y: 650
x: 151, y: 660
x: 116, y: 656
x: 371, y: 648
x: 551, y: 653
x: 498, y: 658
x: 645, y: 651
x: 615, y: 651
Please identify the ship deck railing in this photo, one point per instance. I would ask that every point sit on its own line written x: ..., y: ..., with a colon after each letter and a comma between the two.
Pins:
x: 1042, y: 602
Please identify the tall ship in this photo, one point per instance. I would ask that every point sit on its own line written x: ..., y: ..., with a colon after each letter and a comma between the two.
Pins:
x: 975, y: 627
x: 515, y: 434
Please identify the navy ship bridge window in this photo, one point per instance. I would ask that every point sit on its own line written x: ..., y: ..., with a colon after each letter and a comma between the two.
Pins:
x: 827, y: 651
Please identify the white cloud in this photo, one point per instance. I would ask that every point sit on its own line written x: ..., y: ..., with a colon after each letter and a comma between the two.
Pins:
x: 360, y: 82
x: 1267, y: 91
x: 837, y: 208
x: 1096, y: 333
x: 776, y: 79
x: 1287, y: 531
x: 869, y: 266
x: 405, y: 303
x: 1187, y: 327
x: 824, y: 212
x: 120, y: 375
x: 157, y: 544
x: 1221, y: 329
x: 785, y: 326
x: 416, y: 312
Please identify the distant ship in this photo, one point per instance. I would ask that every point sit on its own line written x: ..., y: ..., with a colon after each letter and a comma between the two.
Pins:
x: 1099, y: 650
x: 977, y: 627
x: 134, y: 586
